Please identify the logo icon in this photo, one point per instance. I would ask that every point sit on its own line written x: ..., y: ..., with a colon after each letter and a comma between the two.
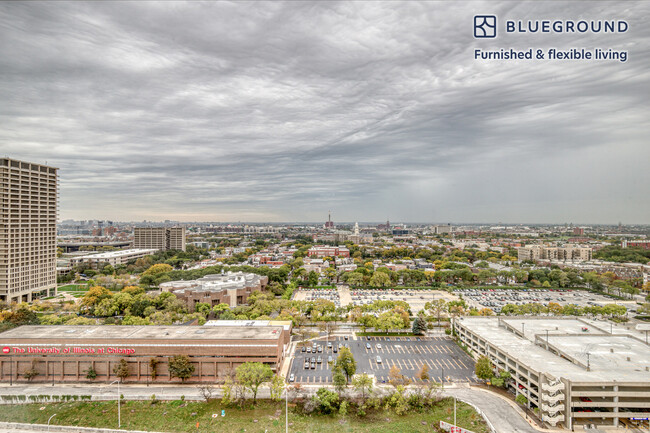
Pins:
x: 5, y: 350
x: 485, y: 26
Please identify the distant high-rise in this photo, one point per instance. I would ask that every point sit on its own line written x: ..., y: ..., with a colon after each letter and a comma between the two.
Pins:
x: 160, y: 238
x: 329, y: 224
x: 29, y: 197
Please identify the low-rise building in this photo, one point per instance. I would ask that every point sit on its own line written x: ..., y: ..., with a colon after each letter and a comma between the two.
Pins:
x: 321, y: 251
x: 113, y: 258
x: 232, y: 288
x: 65, y: 354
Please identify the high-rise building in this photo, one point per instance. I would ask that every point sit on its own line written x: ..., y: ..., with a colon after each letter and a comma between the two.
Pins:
x: 28, y: 196
x: 160, y: 238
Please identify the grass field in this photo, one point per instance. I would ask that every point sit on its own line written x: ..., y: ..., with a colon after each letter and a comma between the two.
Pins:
x: 178, y: 416
x: 73, y: 288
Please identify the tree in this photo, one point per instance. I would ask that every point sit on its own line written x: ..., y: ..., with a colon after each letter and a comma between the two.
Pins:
x: 521, y: 399
x: 419, y: 326
x: 91, y: 374
x: 396, y: 378
x: 339, y: 379
x: 362, y: 383
x: 483, y: 368
x: 380, y: 279
x: 94, y: 296
x: 312, y: 278
x: 252, y: 375
x: 423, y: 374
x: 276, y: 386
x: 436, y: 307
x: 32, y: 372
x: 327, y: 400
x: 121, y: 369
x: 346, y: 361
x: 180, y: 366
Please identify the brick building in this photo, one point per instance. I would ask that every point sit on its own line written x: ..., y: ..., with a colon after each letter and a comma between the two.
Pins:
x: 66, y: 353
x: 232, y: 288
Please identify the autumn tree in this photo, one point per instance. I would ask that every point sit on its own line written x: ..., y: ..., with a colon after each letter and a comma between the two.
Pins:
x: 180, y: 366
x: 121, y: 369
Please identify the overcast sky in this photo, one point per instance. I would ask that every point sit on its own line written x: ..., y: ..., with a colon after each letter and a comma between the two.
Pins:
x: 283, y: 111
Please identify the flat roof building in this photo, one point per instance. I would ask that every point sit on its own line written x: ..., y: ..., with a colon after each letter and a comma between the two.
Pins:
x: 575, y: 371
x: 67, y: 353
x: 232, y: 288
x: 29, y: 197
x: 159, y: 238
x: 113, y: 258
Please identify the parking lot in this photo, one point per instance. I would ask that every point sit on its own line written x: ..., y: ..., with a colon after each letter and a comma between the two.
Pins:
x: 495, y: 299
x: 441, y: 355
x: 344, y: 296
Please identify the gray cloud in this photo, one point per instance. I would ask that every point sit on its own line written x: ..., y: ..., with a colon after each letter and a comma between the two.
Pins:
x: 281, y: 111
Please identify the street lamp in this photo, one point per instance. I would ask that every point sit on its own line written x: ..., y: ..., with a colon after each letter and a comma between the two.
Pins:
x: 286, y: 407
x: 119, y: 412
x: 48, y: 422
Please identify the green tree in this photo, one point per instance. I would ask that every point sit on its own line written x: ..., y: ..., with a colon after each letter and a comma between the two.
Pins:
x: 91, y: 374
x: 276, y: 386
x: 339, y: 379
x: 521, y: 399
x: 483, y: 368
x: 346, y: 361
x: 312, y: 278
x: 180, y: 366
x: 252, y: 375
x: 327, y: 400
x: 419, y: 326
x: 362, y: 383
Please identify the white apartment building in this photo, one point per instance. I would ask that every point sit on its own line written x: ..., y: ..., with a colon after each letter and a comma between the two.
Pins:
x: 565, y: 253
x: 29, y: 197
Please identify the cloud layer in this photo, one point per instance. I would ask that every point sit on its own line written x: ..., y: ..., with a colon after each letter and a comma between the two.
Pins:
x: 282, y: 111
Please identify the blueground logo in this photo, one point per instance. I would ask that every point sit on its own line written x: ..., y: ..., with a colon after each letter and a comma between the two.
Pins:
x: 485, y: 26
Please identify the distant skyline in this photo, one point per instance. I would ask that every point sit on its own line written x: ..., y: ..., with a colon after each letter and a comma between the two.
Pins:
x: 272, y: 111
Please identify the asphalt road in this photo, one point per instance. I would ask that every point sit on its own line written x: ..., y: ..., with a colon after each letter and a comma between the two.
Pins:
x: 442, y: 357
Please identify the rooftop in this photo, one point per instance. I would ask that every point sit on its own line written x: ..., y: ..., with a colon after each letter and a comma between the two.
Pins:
x: 119, y: 253
x: 127, y: 333
x: 215, y: 282
x: 621, y: 356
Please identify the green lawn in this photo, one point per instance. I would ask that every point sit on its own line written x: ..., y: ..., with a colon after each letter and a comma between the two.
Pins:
x: 73, y: 288
x: 176, y: 416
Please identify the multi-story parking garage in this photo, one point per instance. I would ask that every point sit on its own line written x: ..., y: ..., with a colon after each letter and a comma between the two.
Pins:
x: 573, y: 371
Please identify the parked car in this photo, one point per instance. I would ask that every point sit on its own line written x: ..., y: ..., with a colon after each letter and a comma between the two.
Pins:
x: 368, y: 346
x: 378, y: 345
x: 329, y: 345
x: 304, y: 349
x: 378, y: 359
x: 313, y: 365
x: 292, y: 378
x: 319, y: 360
x: 306, y: 364
x: 309, y: 350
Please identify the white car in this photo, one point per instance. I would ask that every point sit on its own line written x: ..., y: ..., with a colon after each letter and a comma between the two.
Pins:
x: 292, y: 378
x: 378, y: 345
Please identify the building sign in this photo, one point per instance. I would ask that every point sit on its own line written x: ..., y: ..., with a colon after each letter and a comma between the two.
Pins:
x: 452, y: 428
x: 71, y: 350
